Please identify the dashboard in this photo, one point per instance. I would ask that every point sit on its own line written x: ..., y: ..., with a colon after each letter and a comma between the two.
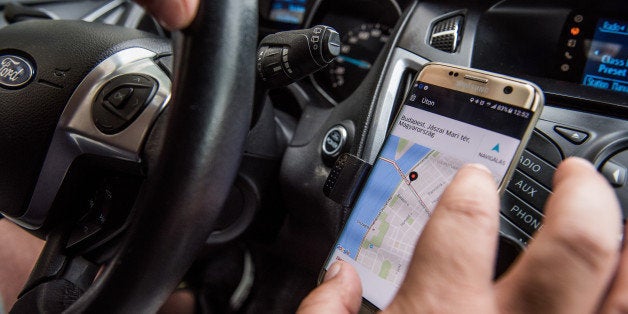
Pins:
x: 365, y: 27
x: 576, y: 39
x: 577, y: 52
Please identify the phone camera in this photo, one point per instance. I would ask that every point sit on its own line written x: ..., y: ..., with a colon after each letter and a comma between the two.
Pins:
x: 452, y: 73
x: 507, y: 89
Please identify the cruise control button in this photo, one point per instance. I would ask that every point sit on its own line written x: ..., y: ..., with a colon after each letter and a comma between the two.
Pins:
x: 575, y: 136
x: 528, y: 190
x: 522, y: 215
x: 536, y: 168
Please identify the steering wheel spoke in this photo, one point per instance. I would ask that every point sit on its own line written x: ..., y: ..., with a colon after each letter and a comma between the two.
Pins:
x: 79, y: 131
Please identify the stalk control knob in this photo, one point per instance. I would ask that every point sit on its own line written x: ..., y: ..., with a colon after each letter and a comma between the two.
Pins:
x: 286, y: 57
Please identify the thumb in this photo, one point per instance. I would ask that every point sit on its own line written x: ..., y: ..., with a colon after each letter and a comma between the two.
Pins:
x: 172, y: 14
x: 458, y: 247
x: 341, y: 292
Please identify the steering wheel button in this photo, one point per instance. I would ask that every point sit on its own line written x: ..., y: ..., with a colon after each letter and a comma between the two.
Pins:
x: 136, y: 102
x: 107, y: 122
x: 82, y: 232
x: 118, y: 97
x: 121, y: 100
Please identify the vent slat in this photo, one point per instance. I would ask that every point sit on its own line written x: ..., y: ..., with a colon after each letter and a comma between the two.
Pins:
x: 446, y: 34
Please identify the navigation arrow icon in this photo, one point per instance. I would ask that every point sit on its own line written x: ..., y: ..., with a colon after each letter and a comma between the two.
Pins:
x: 496, y: 148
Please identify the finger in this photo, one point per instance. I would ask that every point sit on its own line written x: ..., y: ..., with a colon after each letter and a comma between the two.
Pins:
x: 172, y: 14
x: 617, y: 299
x: 568, y: 266
x: 457, y: 247
x: 341, y: 292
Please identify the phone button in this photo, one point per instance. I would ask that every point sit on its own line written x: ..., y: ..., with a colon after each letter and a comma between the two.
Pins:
x: 537, y: 168
x: 522, y: 215
x: 528, y: 190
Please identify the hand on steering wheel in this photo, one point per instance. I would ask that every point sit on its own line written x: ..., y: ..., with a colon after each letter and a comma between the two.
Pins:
x: 184, y: 182
x: 172, y: 14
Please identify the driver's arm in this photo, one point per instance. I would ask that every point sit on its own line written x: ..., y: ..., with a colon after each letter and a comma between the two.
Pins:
x: 18, y: 254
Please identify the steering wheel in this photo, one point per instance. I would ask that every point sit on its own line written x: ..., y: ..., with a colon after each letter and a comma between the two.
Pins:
x: 86, y: 108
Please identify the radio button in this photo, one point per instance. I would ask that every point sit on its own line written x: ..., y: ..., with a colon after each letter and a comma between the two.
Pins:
x: 536, y: 168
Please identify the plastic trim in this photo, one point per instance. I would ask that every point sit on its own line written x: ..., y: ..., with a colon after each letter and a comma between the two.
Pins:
x: 401, y: 61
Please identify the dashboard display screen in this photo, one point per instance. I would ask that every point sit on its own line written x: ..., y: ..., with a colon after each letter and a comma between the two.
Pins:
x: 288, y: 11
x: 606, y: 64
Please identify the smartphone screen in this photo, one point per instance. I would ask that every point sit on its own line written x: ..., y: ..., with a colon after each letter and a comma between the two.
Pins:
x: 436, y: 131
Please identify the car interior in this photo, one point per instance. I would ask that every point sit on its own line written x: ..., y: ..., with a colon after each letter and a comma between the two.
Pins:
x: 151, y: 159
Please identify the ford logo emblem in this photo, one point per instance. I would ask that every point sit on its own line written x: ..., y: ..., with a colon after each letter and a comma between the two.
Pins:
x: 15, y: 71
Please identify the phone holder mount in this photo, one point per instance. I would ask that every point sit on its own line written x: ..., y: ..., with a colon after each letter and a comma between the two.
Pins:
x: 346, y: 179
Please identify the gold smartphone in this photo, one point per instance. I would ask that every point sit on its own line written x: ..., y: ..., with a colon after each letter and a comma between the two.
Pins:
x: 451, y: 116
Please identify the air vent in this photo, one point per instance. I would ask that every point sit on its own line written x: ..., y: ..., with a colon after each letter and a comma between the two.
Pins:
x: 446, y: 34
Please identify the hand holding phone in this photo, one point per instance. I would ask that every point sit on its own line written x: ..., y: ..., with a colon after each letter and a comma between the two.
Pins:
x: 450, y: 117
x: 574, y: 265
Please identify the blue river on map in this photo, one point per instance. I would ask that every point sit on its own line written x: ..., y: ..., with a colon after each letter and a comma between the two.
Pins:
x: 381, y: 184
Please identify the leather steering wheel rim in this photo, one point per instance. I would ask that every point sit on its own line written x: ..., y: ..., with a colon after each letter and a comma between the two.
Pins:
x: 207, y: 124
